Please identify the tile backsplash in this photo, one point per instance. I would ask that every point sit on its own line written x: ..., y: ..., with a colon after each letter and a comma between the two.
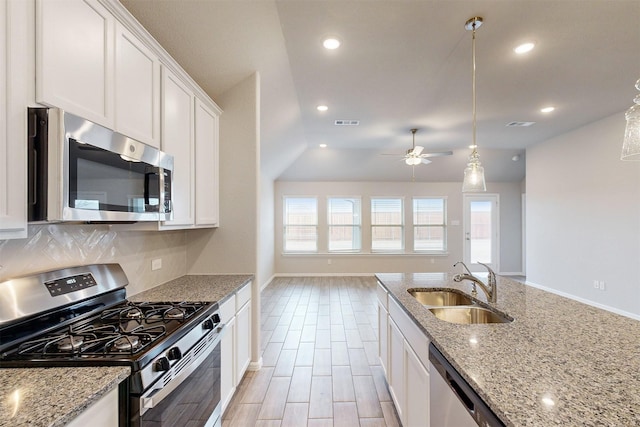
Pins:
x: 53, y: 246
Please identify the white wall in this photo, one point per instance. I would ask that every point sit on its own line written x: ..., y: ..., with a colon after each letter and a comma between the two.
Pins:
x: 583, y: 216
x: 510, y: 228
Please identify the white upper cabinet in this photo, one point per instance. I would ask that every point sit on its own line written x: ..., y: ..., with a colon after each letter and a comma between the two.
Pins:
x: 16, y: 93
x: 137, y: 88
x: 178, y: 102
x: 75, y: 51
x: 206, y: 163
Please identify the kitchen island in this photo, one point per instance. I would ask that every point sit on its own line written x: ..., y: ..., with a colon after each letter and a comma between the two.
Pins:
x: 560, y: 362
x: 52, y: 397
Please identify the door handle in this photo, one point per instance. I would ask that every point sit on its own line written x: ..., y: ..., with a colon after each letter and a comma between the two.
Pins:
x: 468, y: 235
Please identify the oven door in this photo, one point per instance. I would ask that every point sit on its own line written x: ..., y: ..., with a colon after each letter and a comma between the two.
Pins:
x: 189, y: 394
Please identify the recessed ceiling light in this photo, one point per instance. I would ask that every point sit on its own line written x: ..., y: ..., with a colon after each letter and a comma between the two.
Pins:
x: 524, y: 48
x: 323, y: 145
x: 331, y: 43
x: 547, y: 109
x: 322, y: 108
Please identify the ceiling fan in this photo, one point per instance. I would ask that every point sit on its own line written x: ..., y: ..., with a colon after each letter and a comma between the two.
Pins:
x: 416, y: 155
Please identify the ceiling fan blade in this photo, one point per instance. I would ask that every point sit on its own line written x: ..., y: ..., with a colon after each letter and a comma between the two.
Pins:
x: 425, y: 161
x: 417, y: 150
x: 444, y: 153
x: 396, y: 155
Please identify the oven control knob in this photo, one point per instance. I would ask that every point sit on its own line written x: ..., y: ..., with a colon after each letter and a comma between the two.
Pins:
x: 216, y: 318
x: 162, y: 365
x: 174, y: 353
x: 207, y: 324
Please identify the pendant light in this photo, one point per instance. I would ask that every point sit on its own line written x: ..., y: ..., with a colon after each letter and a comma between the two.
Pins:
x: 474, y: 172
x: 631, y: 144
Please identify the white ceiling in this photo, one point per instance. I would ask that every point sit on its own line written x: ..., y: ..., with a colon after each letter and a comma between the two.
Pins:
x: 406, y: 64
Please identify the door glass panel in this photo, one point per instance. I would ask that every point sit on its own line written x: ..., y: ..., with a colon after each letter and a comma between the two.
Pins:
x: 480, y: 231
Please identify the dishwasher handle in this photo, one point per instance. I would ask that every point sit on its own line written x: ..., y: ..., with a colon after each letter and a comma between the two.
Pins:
x: 471, y: 407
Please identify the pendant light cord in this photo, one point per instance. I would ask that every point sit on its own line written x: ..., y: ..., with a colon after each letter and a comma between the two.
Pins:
x: 473, y: 85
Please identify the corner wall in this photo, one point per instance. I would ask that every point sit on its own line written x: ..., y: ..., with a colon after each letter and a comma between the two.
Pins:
x: 583, y: 216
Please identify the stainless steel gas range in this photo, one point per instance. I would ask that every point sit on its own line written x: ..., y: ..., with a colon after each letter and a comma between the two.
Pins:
x: 80, y: 317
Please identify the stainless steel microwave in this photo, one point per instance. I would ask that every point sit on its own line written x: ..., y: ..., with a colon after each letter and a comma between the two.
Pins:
x: 81, y: 171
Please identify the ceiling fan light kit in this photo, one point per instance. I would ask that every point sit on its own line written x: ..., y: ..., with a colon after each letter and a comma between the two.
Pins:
x: 631, y: 144
x: 474, y: 172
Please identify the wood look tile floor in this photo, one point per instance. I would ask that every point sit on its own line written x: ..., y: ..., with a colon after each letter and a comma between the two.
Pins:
x: 320, y: 363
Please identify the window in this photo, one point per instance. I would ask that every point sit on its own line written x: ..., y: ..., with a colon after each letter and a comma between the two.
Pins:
x: 387, y: 224
x: 343, y: 219
x: 300, y: 224
x: 429, y: 225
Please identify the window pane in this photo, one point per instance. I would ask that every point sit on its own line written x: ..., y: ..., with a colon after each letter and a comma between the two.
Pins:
x: 300, y: 224
x: 301, y: 210
x: 343, y: 218
x: 428, y: 211
x: 386, y: 212
x: 428, y: 238
x: 300, y: 238
x: 344, y: 238
x: 480, y: 231
x: 429, y: 221
x: 386, y: 238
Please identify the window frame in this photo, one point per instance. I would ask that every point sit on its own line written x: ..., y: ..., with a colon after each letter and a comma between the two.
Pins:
x: 354, y: 225
x: 286, y: 225
x: 417, y: 226
x: 401, y: 225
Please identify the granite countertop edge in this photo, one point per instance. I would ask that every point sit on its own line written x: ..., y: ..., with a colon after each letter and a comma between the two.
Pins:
x: 91, y: 383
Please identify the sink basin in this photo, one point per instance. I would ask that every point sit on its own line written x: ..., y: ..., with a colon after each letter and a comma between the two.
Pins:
x: 439, y: 298
x: 469, y: 315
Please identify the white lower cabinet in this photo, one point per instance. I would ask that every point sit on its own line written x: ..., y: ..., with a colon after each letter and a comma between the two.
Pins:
x: 407, y: 370
x: 235, y: 313
x: 102, y: 413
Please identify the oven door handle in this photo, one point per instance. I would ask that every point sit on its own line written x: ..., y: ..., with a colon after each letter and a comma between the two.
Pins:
x: 156, y: 395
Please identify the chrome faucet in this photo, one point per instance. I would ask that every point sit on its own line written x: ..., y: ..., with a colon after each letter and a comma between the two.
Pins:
x: 491, y: 291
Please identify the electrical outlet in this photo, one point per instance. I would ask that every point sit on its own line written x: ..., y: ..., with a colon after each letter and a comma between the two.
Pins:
x: 603, y: 285
x: 156, y: 264
x: 433, y: 261
x: 596, y: 284
x: 329, y: 262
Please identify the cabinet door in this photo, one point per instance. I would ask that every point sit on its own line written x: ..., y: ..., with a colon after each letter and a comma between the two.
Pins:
x: 103, y: 413
x: 16, y: 92
x: 396, y: 373
x: 177, y: 140
x: 137, y: 89
x: 417, y: 390
x: 75, y: 58
x: 227, y: 371
x: 206, y: 163
x: 383, y: 341
x: 243, y: 342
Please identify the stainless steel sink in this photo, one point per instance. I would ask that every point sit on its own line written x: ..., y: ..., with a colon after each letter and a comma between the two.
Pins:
x: 469, y: 315
x: 439, y: 298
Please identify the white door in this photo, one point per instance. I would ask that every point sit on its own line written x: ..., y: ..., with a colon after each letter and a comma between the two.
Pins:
x: 481, y: 231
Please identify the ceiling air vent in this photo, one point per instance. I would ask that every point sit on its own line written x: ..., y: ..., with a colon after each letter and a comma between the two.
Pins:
x: 520, y: 124
x: 347, y: 122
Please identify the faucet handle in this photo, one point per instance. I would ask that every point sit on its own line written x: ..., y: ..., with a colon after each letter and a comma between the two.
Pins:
x: 492, y: 274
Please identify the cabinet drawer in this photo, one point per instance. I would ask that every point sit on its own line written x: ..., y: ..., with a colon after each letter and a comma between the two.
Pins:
x: 382, y: 296
x: 242, y: 296
x: 228, y: 309
x: 414, y: 336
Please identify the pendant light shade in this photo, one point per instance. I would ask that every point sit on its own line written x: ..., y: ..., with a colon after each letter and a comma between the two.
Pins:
x: 474, y: 172
x: 631, y: 144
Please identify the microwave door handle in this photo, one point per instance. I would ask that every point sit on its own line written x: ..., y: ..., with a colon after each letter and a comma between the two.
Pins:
x: 146, y: 186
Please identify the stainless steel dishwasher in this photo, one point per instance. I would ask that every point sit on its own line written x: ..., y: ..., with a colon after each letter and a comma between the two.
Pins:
x: 453, y: 402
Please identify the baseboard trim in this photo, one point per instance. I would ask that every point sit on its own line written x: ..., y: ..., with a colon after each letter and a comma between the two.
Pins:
x: 255, y: 366
x: 584, y: 300
x: 511, y: 273
x: 267, y: 283
x: 324, y: 275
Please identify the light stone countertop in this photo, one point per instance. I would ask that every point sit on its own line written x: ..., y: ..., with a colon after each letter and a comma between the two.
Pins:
x: 52, y: 397
x: 585, y: 359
